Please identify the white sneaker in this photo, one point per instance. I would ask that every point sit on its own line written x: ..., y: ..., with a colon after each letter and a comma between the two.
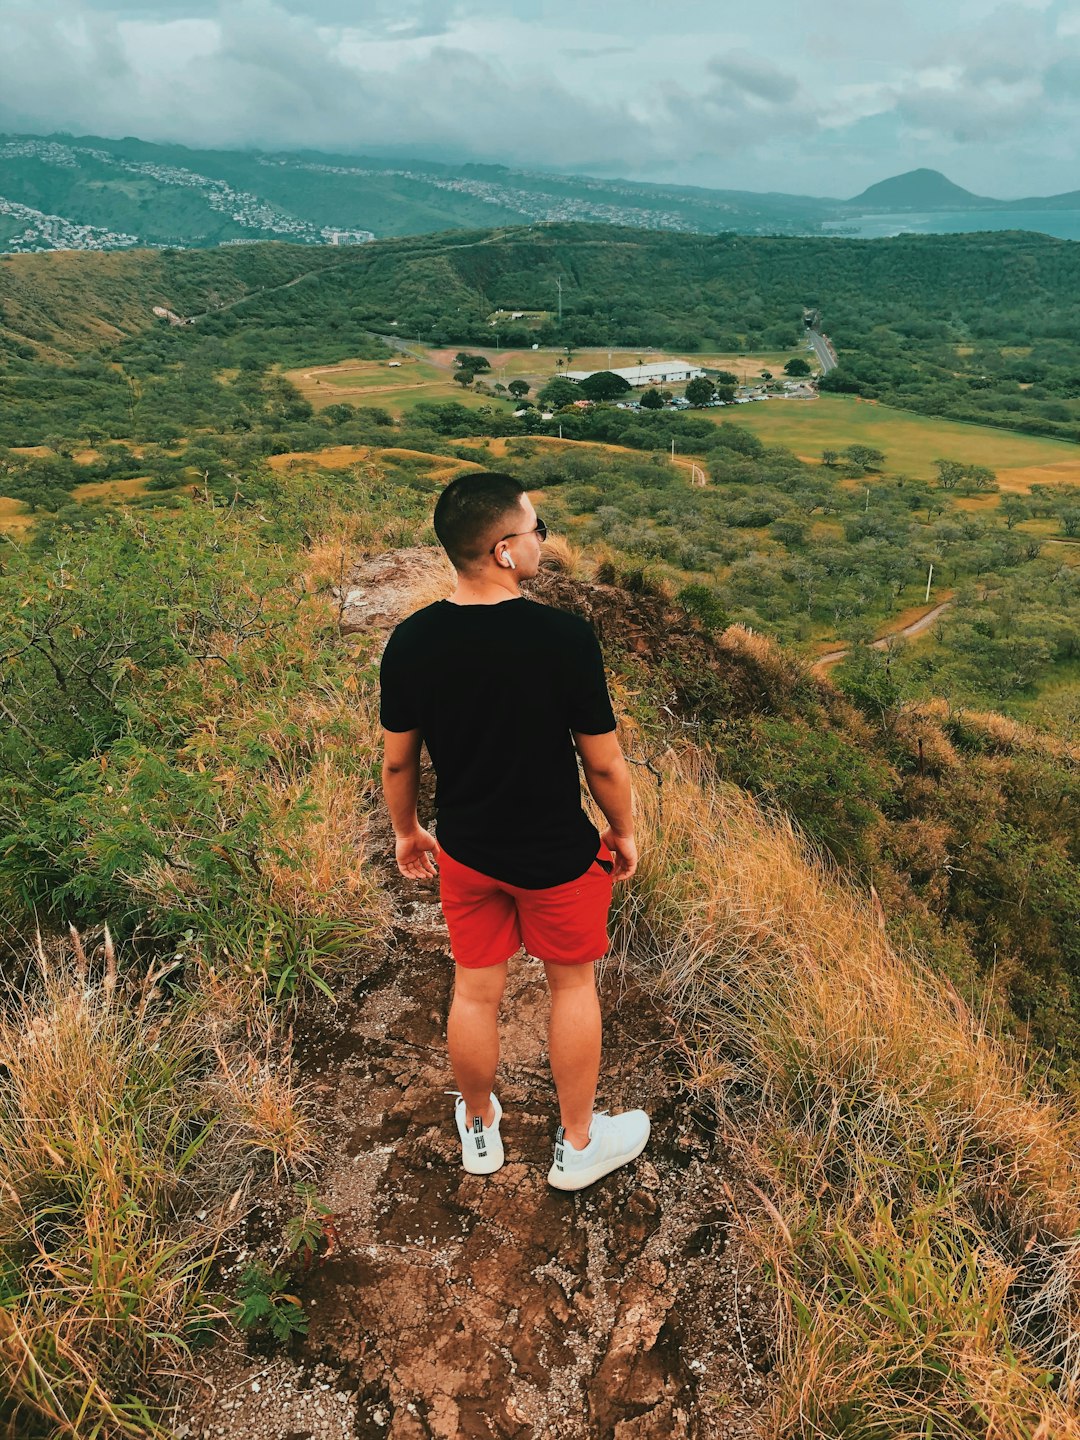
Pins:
x: 481, y: 1145
x: 614, y: 1140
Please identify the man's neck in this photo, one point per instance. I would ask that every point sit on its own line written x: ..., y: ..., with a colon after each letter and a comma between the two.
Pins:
x: 486, y: 591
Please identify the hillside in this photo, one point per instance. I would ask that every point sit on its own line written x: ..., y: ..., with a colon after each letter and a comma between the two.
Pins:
x: 63, y: 305
x: 86, y: 192
x: 931, y: 190
x: 918, y: 190
x: 256, y: 1049
x: 976, y: 328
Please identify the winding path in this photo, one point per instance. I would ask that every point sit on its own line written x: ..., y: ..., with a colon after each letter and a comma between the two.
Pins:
x: 916, y: 627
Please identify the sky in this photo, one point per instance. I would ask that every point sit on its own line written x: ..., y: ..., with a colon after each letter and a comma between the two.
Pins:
x: 812, y: 97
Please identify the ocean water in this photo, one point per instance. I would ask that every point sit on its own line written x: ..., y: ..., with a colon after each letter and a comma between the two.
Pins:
x: 1065, y: 224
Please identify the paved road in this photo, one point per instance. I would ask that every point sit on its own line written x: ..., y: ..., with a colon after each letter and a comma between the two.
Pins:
x: 823, y: 350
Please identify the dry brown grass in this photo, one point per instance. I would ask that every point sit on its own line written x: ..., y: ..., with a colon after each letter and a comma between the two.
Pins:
x: 436, y: 581
x: 920, y: 1172
x: 990, y: 731
x: 566, y: 558
x: 129, y: 1117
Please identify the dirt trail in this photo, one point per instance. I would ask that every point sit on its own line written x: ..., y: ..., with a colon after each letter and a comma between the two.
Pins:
x: 455, y: 1306
x: 916, y: 627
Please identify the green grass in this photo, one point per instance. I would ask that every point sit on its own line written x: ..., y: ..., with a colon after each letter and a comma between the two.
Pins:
x: 911, y: 443
x: 398, y: 389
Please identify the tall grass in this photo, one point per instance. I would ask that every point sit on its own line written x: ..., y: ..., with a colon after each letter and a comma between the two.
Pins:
x: 228, y: 821
x: 922, y: 1245
x: 130, y: 1113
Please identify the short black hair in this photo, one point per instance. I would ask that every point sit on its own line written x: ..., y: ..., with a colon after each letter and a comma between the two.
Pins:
x: 470, y: 508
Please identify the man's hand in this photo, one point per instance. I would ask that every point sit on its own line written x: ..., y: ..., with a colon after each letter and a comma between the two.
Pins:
x: 625, y: 851
x: 413, y: 854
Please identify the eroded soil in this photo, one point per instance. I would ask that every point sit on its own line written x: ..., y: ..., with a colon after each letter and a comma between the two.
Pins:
x: 456, y: 1306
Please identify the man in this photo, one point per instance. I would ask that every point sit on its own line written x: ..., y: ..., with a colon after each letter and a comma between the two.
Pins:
x: 501, y: 690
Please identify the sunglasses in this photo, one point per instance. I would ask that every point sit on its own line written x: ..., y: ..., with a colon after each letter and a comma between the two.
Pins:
x: 539, y: 529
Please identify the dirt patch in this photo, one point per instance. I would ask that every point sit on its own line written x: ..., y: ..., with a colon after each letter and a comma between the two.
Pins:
x: 456, y: 1306
x: 109, y: 489
x: 1019, y: 479
x: 340, y: 457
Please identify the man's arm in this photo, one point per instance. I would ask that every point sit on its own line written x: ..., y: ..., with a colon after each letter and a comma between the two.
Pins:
x: 608, y: 778
x: 401, y: 786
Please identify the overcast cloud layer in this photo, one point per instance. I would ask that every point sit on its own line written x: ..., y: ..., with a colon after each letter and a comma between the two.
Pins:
x: 818, y: 98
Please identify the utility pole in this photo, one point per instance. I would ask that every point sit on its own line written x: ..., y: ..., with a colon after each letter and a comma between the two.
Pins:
x: 929, y: 577
x: 558, y: 286
x: 673, y: 450
x: 560, y: 429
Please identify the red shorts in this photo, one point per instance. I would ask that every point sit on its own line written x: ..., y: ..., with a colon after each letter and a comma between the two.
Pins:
x: 490, y: 920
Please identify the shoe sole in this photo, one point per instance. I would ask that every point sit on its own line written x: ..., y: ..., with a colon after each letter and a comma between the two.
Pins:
x: 560, y: 1180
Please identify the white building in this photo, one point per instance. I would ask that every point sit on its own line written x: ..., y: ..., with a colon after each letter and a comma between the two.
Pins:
x: 656, y: 372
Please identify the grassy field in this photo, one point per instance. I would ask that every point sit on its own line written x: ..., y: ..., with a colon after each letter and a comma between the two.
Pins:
x: 399, y: 386
x: 15, y: 517
x: 109, y: 490
x: 911, y: 443
x: 340, y: 457
x: 373, y: 382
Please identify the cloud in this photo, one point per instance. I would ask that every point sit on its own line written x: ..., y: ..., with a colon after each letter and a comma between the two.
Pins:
x: 821, y: 100
x: 758, y: 79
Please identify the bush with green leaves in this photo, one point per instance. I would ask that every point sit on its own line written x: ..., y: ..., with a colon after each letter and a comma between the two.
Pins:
x: 266, y: 1305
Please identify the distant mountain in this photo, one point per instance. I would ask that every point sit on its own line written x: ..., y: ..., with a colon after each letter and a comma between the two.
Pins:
x: 87, y: 193
x: 918, y: 190
x: 931, y: 190
x: 62, y: 192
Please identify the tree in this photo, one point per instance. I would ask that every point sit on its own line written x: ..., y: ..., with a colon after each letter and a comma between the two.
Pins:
x: 604, y: 385
x: 725, y: 377
x: 518, y: 388
x: 464, y: 377
x: 766, y: 375
x: 865, y: 457
x: 950, y: 473
x: 865, y: 676
x: 788, y: 530
x: 982, y: 477
x: 1014, y: 510
x: 700, y: 391
x: 830, y: 457
x: 559, y: 392
x: 797, y: 366
x: 476, y: 363
x: 651, y: 399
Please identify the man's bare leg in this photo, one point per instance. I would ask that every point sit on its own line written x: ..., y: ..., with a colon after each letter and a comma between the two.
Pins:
x: 574, y: 1036
x: 472, y: 1036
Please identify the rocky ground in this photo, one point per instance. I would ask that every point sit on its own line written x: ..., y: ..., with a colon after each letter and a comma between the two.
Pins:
x: 456, y: 1306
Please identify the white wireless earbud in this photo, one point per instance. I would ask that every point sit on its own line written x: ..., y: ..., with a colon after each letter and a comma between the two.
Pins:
x: 508, y: 561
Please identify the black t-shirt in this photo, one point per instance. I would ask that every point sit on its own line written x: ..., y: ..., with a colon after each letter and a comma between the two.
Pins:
x: 495, y: 691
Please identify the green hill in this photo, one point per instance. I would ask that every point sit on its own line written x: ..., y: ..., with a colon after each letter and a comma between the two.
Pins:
x: 918, y: 190
x: 60, y: 192
x: 977, y: 328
